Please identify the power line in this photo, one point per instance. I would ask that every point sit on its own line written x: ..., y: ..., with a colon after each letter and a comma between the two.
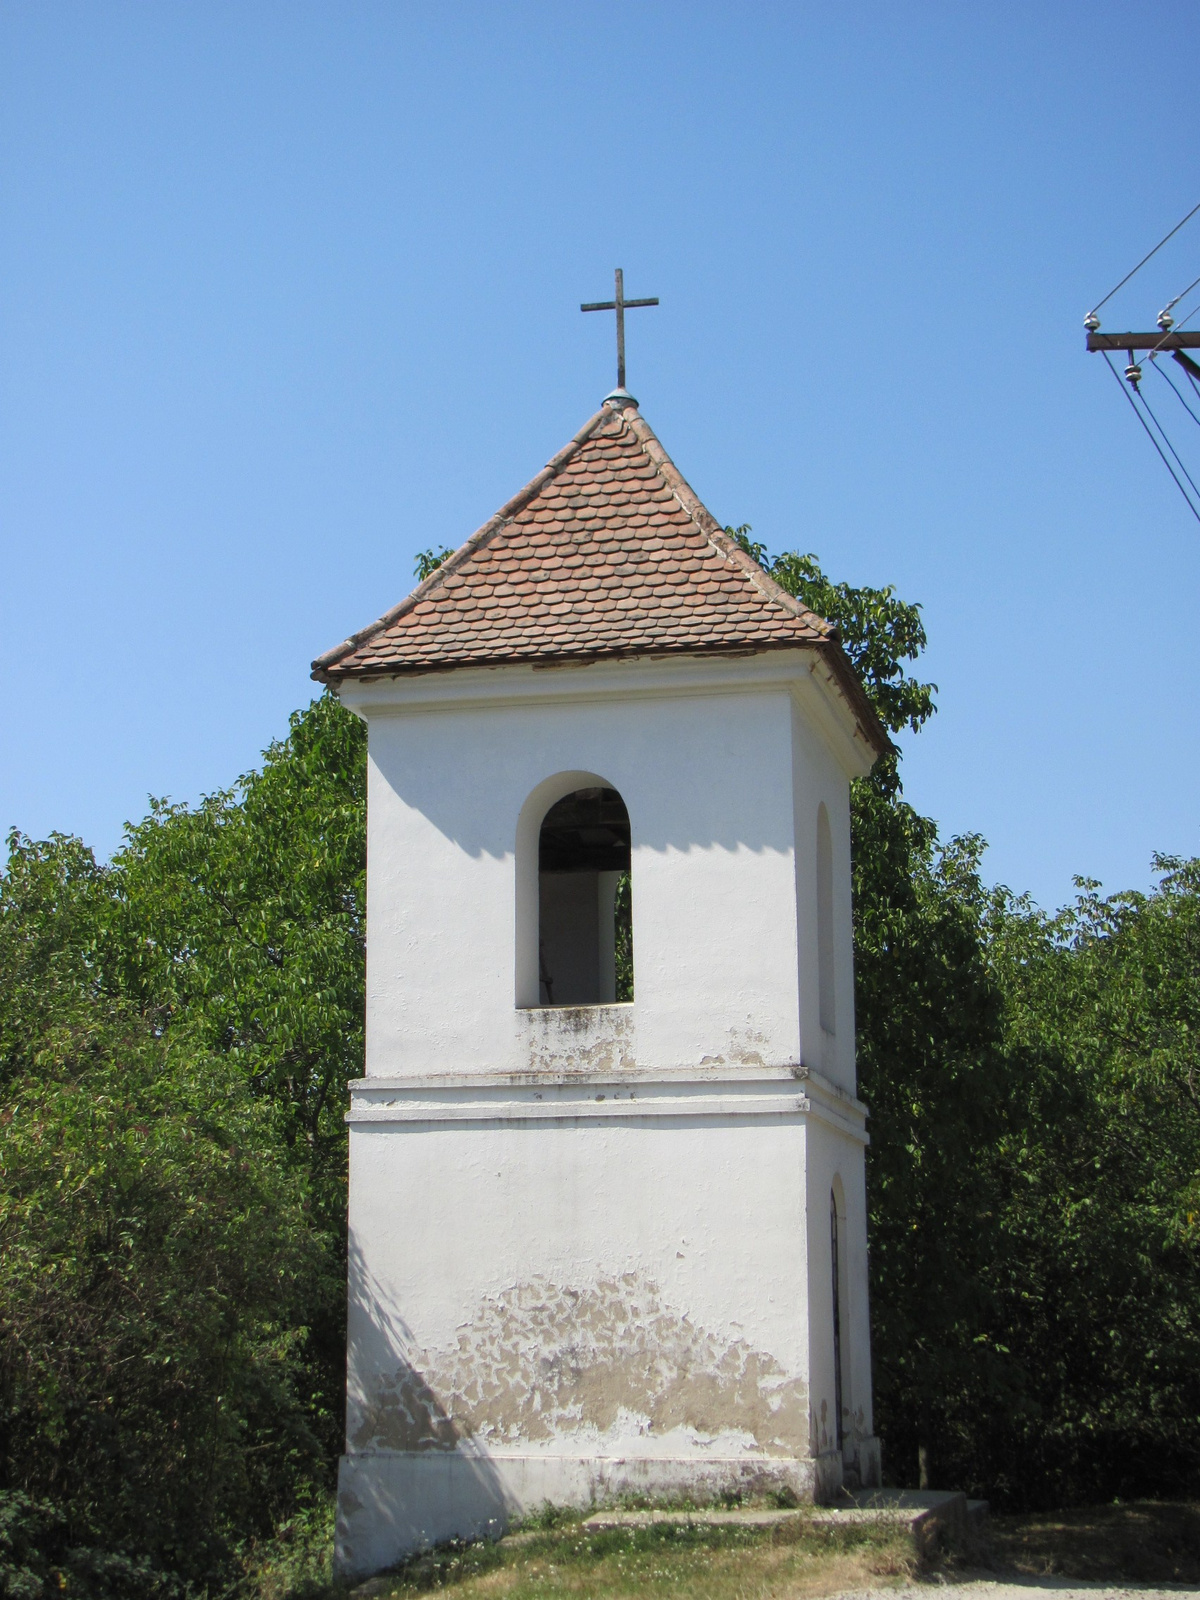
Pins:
x: 1174, y: 327
x: 1143, y: 262
x: 1166, y: 376
x: 1146, y: 425
x: 1171, y: 303
x: 1190, y: 377
x: 1168, y: 444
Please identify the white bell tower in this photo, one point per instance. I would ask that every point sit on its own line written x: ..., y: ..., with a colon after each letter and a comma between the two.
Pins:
x: 607, y: 1208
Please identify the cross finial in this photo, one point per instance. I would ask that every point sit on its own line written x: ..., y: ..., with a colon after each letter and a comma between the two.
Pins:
x: 619, y: 305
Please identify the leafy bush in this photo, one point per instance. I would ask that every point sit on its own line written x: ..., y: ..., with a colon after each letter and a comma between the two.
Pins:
x: 1035, y: 1139
x: 175, y: 1031
x: 156, y: 1261
x: 37, y: 1563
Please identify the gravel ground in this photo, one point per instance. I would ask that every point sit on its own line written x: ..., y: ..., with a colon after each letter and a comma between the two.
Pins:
x: 1024, y: 1589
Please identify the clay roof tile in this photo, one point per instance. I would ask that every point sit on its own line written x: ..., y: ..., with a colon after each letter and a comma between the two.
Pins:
x: 607, y: 552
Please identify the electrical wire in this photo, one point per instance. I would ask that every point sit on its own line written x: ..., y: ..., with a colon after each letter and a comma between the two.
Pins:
x: 1171, y: 304
x: 1166, y: 376
x: 1144, y: 260
x: 1121, y: 385
x: 1177, y: 326
x: 1169, y: 445
x: 1194, y: 384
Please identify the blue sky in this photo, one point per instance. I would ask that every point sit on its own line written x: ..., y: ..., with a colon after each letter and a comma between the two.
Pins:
x: 290, y: 292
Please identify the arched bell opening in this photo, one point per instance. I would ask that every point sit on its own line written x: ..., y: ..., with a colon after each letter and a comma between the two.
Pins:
x: 585, y: 939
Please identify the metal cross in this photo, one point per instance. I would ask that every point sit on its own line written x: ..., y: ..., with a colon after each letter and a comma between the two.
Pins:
x: 619, y: 305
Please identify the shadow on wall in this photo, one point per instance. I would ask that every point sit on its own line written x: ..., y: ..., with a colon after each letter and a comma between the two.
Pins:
x: 374, y: 1527
x: 402, y: 1412
x: 540, y: 1361
x: 705, y: 793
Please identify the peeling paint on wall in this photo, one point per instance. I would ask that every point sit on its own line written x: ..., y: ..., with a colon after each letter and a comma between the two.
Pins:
x: 747, y: 1046
x: 584, y: 1039
x: 402, y: 1413
x: 541, y: 1362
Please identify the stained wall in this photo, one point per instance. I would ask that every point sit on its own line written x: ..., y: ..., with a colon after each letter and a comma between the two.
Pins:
x: 583, y: 1247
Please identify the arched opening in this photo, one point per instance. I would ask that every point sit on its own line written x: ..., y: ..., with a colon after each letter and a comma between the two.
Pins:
x: 585, y: 945
x: 826, y: 998
x: 835, y: 1254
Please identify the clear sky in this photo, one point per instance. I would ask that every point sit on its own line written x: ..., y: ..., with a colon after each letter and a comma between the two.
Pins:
x: 289, y: 292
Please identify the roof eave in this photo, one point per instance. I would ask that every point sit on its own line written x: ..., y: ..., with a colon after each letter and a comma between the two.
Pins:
x: 841, y: 670
x: 321, y: 666
x: 859, y: 702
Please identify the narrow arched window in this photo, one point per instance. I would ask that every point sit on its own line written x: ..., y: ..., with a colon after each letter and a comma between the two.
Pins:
x: 585, y: 949
x: 826, y: 998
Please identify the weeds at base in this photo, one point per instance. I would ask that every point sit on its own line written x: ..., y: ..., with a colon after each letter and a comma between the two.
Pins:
x: 551, y: 1553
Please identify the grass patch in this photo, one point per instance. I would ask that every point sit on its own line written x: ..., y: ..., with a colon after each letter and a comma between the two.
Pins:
x: 1147, y: 1541
x: 709, y: 1563
x: 551, y: 1554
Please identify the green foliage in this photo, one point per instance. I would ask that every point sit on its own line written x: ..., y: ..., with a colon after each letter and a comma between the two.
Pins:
x: 1096, y: 1270
x: 1035, y: 1123
x: 157, y: 1263
x: 297, y: 1560
x: 430, y: 560
x: 176, y: 1030
x: 38, y: 1563
x: 243, y: 921
x: 878, y: 632
x: 53, y: 901
x: 624, y: 937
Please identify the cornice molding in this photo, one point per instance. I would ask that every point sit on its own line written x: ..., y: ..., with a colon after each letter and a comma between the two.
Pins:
x: 803, y: 672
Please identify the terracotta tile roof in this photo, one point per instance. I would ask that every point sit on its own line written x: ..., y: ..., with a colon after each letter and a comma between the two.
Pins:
x: 606, y: 553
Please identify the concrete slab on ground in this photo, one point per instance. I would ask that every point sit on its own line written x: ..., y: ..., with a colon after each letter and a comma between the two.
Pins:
x: 923, y: 1513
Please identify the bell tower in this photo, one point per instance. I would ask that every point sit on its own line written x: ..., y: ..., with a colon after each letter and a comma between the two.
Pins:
x: 607, y: 1206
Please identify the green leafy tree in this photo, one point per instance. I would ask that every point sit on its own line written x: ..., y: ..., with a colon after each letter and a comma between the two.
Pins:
x: 159, y: 1260
x: 38, y: 1561
x: 243, y: 920
x: 241, y: 923
x: 1097, y: 1266
x: 430, y: 560
x: 1032, y: 1079
x: 930, y: 1056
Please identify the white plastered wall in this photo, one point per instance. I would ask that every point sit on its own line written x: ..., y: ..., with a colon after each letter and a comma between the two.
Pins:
x: 630, y: 1254
x: 706, y: 780
x: 835, y: 1163
x: 584, y: 1251
x: 818, y: 779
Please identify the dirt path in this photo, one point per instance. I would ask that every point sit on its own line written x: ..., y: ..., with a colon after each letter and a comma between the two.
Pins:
x: 1022, y: 1588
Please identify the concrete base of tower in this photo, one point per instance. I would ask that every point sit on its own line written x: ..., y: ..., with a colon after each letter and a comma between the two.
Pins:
x: 391, y: 1503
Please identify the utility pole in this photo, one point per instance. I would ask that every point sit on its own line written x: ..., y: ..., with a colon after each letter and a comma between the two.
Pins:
x: 1164, y: 339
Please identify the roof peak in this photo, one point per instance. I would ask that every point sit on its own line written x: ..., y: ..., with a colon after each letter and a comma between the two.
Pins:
x: 617, y: 417
x: 607, y: 552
